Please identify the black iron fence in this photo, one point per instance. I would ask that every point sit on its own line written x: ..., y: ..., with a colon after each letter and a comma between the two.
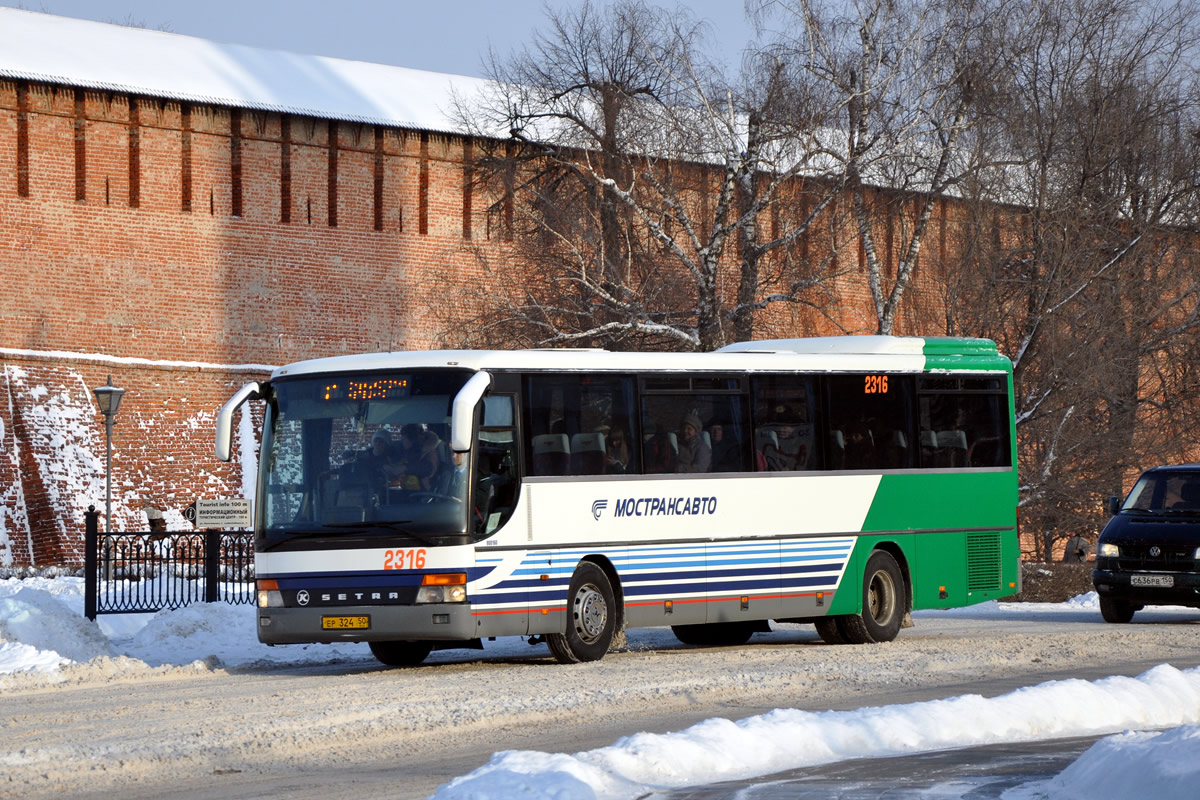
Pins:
x: 127, y: 573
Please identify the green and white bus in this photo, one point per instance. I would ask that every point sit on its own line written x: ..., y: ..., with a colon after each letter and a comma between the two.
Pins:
x: 421, y: 500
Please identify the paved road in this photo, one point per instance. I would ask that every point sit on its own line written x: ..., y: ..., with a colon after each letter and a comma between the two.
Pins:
x: 358, y: 730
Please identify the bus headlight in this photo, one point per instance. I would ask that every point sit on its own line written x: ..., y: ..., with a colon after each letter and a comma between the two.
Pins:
x: 443, y: 588
x: 1111, y: 551
x: 269, y: 595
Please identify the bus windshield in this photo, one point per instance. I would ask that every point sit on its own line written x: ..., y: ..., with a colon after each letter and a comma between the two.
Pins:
x: 362, y: 455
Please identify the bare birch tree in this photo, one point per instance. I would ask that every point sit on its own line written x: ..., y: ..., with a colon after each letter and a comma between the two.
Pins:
x: 906, y: 77
x: 1081, y: 262
x: 644, y: 188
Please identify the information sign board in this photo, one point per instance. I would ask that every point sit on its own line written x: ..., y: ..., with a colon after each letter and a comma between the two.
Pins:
x: 223, y: 512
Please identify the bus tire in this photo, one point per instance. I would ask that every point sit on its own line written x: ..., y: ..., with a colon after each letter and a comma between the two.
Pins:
x: 1114, y: 609
x: 401, y: 654
x: 714, y: 634
x: 883, y: 603
x: 591, y: 617
x: 828, y: 630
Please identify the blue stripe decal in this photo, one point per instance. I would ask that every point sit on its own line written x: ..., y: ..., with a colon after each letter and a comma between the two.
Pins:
x: 691, y: 588
x: 349, y: 581
x: 526, y: 584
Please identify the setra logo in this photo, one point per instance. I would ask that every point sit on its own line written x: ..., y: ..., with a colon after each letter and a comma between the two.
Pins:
x: 598, y: 507
x: 302, y: 597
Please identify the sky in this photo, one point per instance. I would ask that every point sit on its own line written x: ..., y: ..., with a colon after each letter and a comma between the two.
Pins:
x: 1150, y: 723
x: 442, y: 37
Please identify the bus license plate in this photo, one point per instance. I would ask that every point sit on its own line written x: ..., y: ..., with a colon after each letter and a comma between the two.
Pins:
x: 345, y: 623
x: 1160, y: 581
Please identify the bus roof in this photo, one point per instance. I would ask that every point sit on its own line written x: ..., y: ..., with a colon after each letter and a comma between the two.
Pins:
x: 820, y: 354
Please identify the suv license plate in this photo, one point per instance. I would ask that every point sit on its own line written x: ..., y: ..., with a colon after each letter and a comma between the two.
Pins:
x: 1161, y: 581
x: 345, y: 623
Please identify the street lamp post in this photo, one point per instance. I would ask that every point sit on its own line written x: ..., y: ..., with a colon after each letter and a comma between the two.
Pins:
x: 108, y: 397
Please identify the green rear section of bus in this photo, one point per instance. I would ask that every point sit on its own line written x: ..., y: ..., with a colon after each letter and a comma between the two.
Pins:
x: 919, y: 518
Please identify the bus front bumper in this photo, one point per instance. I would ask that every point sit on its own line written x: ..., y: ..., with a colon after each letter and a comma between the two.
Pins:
x: 433, y: 622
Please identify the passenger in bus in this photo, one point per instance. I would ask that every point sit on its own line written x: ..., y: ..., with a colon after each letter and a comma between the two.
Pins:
x: 726, y: 456
x: 860, y: 447
x: 790, y: 451
x: 658, y: 455
x: 694, y: 453
x: 381, y: 459
x: 616, y: 459
x: 421, y: 459
x: 366, y: 473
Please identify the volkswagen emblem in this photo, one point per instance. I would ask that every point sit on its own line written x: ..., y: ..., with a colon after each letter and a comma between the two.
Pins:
x: 1155, y: 551
x: 302, y: 597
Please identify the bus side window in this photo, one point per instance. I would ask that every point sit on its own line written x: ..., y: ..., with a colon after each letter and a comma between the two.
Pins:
x: 784, y: 422
x: 869, y: 418
x: 495, y: 466
x: 570, y: 419
x: 961, y: 428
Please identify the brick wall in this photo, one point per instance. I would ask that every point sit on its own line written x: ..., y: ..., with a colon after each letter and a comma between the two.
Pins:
x: 183, y: 235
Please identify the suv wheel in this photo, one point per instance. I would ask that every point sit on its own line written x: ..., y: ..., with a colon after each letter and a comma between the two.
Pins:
x: 1114, y: 609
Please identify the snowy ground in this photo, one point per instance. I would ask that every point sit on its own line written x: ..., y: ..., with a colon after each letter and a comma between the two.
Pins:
x: 1154, y: 718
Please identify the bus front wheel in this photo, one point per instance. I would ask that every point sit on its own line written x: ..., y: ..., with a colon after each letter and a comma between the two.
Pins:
x: 401, y: 654
x: 591, y: 618
x: 883, y: 603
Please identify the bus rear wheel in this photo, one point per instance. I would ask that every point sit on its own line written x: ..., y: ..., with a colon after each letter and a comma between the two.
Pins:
x: 592, y: 618
x: 883, y: 603
x: 714, y: 634
x: 401, y: 654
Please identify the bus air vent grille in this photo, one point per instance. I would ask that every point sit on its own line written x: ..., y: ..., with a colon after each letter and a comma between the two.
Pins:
x: 983, y: 562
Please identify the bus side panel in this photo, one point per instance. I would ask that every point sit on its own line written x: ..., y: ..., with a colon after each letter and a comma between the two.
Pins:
x: 849, y: 594
x: 663, y: 584
x: 940, y: 579
x: 953, y: 563
x: 548, y: 574
x: 743, y: 581
x: 499, y: 593
x: 813, y: 573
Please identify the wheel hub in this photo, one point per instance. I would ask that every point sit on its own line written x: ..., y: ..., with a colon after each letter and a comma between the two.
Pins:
x: 881, y: 597
x: 591, y: 613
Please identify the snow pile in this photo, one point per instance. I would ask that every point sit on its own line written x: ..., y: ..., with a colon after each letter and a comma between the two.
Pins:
x: 720, y: 750
x: 42, y: 628
x: 1162, y: 765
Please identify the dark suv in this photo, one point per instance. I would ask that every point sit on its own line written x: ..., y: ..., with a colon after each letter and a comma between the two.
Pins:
x: 1149, y: 552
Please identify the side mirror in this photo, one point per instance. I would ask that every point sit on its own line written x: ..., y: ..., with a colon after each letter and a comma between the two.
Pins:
x: 224, y: 443
x: 462, y: 411
x: 1114, y: 505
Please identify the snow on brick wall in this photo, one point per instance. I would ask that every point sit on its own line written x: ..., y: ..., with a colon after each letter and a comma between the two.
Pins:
x: 54, y: 451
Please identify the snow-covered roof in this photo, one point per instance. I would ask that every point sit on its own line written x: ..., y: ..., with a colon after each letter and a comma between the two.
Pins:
x: 97, y: 55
